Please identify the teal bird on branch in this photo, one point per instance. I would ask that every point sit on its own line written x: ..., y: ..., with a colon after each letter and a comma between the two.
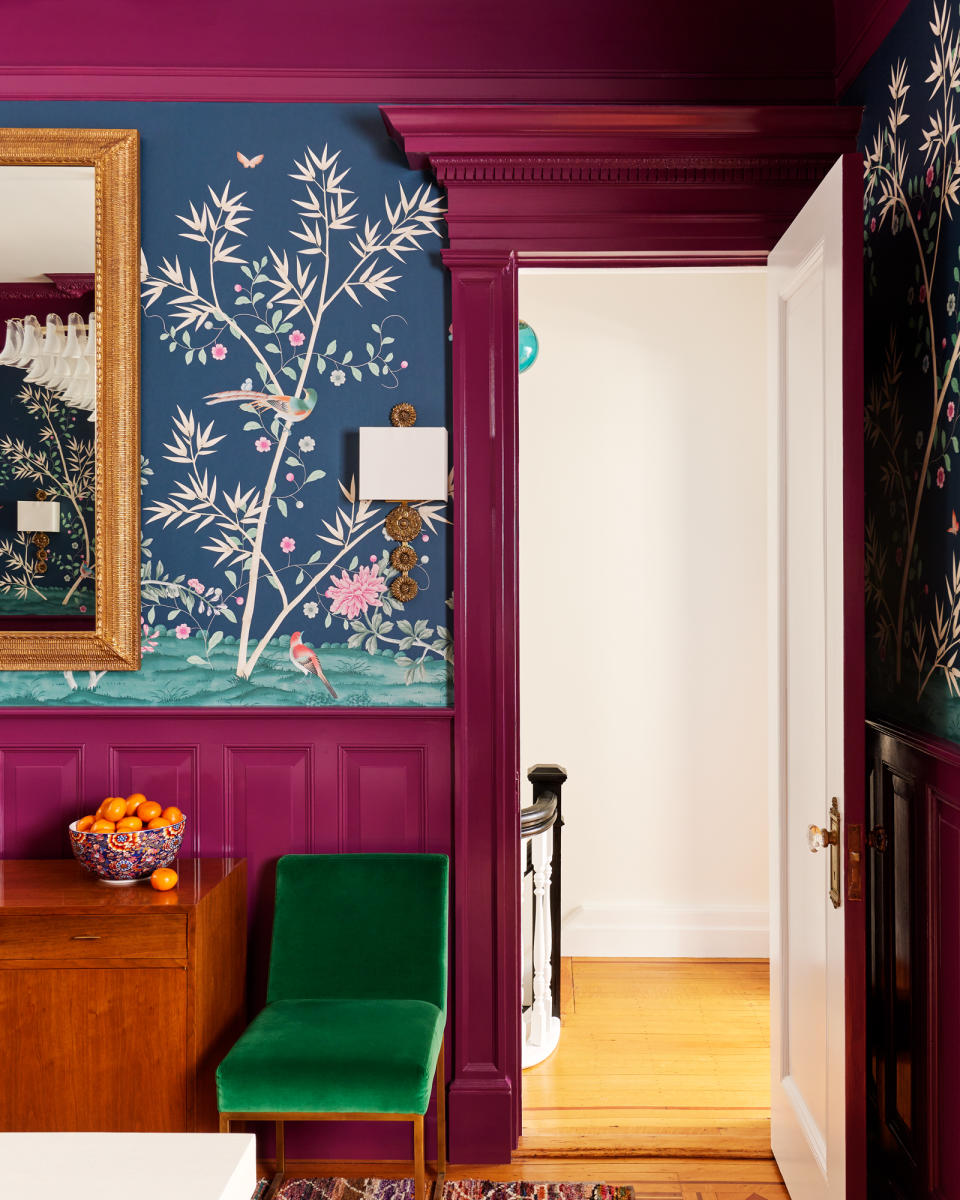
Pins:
x: 291, y: 408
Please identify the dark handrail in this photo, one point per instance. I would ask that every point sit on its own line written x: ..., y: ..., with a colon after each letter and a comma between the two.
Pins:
x: 548, y: 780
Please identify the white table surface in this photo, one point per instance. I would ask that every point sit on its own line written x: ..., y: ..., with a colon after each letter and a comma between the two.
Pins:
x: 128, y: 1166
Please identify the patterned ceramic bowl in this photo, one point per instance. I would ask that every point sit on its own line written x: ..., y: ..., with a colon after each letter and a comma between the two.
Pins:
x: 126, y: 857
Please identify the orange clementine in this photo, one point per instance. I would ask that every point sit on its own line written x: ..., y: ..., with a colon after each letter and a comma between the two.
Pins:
x: 102, y: 826
x: 147, y: 810
x: 84, y: 823
x: 133, y: 803
x: 129, y: 824
x: 172, y: 814
x: 115, y: 810
x: 158, y: 823
x: 163, y: 879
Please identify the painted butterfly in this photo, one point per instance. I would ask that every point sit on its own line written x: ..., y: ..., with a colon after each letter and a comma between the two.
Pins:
x: 249, y: 162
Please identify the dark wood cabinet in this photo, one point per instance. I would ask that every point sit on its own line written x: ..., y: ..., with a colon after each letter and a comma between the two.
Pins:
x: 897, y: 1026
x: 117, y: 1003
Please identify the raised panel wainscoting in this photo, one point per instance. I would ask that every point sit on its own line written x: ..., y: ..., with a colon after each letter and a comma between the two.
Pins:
x: 255, y: 784
x: 913, y: 964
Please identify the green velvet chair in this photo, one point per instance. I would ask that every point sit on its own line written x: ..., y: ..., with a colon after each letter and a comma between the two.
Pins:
x: 356, y: 1000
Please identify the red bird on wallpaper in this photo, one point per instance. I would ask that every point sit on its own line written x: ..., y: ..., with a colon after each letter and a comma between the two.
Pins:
x: 304, y: 659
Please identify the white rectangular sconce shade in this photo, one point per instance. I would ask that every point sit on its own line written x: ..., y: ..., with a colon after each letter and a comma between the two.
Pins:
x: 403, y: 464
x: 38, y: 516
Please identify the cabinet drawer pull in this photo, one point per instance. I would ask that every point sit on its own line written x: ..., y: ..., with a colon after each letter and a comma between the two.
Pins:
x: 85, y: 937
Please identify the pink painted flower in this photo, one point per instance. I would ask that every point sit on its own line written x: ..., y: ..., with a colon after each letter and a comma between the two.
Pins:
x: 425, y: 537
x: 951, y: 409
x: 182, y: 632
x: 873, y: 224
x: 289, y: 477
x: 297, y: 338
x: 262, y: 444
x: 929, y: 176
x: 238, y: 287
x: 403, y: 365
x: 196, y: 585
x: 83, y: 608
x: 373, y: 558
x: 923, y: 293
x: 288, y: 545
x: 941, y: 476
x: 218, y: 351
x: 353, y: 596
x: 239, y: 602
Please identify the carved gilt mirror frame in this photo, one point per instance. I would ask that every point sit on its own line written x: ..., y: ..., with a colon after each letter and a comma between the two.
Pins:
x: 114, y: 643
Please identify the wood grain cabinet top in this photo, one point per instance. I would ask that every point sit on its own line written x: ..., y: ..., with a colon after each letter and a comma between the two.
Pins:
x: 117, y: 1003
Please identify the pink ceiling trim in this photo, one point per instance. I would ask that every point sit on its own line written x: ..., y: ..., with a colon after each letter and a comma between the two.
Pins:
x: 860, y: 35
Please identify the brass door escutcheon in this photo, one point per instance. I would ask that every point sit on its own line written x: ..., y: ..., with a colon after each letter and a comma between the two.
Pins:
x: 820, y: 839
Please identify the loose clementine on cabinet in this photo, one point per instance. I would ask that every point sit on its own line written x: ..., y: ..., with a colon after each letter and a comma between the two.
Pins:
x: 172, y: 814
x: 102, y: 826
x: 129, y: 824
x: 163, y: 879
x: 85, y: 823
x: 158, y: 823
x: 147, y: 810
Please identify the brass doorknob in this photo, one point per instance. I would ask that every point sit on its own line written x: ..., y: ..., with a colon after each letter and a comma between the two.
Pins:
x: 820, y: 839
x: 877, y: 838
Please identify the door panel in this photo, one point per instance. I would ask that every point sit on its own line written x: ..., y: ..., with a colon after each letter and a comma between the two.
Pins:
x: 812, y: 389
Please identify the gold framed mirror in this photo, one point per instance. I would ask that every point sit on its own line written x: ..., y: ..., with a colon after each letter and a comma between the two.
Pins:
x: 70, y: 371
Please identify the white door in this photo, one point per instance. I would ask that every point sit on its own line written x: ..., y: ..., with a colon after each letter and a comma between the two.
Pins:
x: 806, y: 425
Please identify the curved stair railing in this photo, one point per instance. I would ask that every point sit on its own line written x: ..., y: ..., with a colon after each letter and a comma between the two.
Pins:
x: 540, y: 831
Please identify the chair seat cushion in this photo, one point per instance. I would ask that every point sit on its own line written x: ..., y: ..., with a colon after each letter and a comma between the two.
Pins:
x: 319, y: 1056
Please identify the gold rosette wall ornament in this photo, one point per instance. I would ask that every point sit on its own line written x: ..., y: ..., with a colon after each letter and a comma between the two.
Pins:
x: 403, y: 461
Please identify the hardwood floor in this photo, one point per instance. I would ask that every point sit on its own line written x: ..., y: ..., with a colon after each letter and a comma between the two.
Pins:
x: 657, y: 1057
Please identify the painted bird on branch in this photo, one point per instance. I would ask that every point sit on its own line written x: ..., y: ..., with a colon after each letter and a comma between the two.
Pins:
x: 291, y: 408
x: 304, y: 659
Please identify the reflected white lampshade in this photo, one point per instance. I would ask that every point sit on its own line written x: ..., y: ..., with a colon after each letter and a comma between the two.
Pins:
x: 38, y: 516
x: 403, y: 464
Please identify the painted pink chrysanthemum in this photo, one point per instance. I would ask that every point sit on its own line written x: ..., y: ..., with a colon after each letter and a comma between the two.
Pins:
x: 873, y: 224
x: 290, y: 477
x: 218, y: 351
x: 238, y: 287
x: 262, y: 444
x: 353, y: 596
x: 296, y: 338
x: 288, y: 545
x: 182, y: 632
x: 951, y: 409
x: 929, y: 176
x: 196, y: 585
x: 941, y: 476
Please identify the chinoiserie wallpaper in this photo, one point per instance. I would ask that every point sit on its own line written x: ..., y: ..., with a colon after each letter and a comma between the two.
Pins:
x: 45, y: 446
x: 292, y: 291
x: 911, y: 238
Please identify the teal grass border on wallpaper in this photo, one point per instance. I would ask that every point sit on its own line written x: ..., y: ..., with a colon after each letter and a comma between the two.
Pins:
x: 288, y: 298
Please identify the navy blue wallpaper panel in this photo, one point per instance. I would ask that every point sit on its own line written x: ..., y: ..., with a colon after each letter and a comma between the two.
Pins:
x: 911, y: 234
x: 290, y: 261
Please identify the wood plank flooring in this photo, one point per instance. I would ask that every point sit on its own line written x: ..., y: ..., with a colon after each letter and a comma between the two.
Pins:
x: 657, y: 1056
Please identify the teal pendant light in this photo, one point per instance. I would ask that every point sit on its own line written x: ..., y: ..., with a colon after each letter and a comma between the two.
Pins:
x: 528, y: 346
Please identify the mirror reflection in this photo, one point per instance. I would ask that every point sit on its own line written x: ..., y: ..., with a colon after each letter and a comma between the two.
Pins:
x: 47, y: 397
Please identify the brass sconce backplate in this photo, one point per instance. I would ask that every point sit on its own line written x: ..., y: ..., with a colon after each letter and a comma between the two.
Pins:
x: 403, y: 523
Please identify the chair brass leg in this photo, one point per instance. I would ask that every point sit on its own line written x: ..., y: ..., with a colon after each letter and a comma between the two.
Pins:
x: 419, y: 1164
x: 441, y: 1123
x: 281, y: 1154
x: 224, y: 1124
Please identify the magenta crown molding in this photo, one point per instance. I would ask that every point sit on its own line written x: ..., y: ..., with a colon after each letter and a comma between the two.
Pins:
x: 619, y: 134
x: 259, y: 84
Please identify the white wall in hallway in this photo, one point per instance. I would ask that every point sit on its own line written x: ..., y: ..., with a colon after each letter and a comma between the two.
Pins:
x: 642, y: 602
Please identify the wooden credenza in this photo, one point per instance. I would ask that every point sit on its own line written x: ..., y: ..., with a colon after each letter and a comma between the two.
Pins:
x: 117, y: 1003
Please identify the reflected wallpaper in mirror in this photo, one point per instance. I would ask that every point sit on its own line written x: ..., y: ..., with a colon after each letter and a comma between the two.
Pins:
x: 47, y: 397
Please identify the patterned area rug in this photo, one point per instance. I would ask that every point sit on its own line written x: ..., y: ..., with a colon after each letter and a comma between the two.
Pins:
x: 454, y: 1189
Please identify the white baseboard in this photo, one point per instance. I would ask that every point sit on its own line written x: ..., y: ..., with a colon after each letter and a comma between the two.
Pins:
x: 665, y: 931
